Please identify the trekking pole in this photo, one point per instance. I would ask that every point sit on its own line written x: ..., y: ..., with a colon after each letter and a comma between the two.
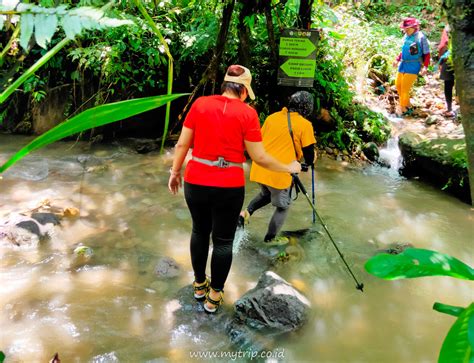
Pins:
x: 299, y: 184
x: 312, y: 196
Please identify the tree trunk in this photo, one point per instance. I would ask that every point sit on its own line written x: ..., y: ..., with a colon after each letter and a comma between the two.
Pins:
x: 271, y: 35
x: 244, y: 33
x: 304, y: 14
x: 460, y: 14
x: 210, y: 74
x: 273, y: 92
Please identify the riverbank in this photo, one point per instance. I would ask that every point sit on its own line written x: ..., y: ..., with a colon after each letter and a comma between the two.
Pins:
x: 432, y: 146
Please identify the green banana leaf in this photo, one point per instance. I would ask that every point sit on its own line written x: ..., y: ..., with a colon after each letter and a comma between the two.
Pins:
x: 415, y: 262
x: 458, y: 346
x: 93, y: 117
x: 448, y: 309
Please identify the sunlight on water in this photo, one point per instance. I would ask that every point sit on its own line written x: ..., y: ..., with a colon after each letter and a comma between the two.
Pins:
x: 113, y: 305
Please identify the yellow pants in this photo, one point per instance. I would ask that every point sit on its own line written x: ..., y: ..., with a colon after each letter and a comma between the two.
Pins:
x: 404, y: 83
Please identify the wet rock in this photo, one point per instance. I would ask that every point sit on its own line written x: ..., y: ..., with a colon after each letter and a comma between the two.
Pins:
x: 433, y: 119
x: 328, y: 150
x: 192, y: 324
x: 141, y: 146
x: 45, y: 218
x: 167, y: 268
x: 30, y: 226
x: 29, y: 169
x: 273, y: 305
x: 17, y: 236
x: 396, y: 248
x: 371, y: 151
x: 245, y: 338
x: 22, y: 230
x: 105, y: 358
x: 89, y: 160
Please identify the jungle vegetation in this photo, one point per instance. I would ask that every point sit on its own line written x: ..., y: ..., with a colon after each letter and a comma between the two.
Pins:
x: 184, y: 46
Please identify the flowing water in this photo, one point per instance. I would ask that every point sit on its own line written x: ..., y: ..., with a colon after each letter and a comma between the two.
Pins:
x: 115, y: 309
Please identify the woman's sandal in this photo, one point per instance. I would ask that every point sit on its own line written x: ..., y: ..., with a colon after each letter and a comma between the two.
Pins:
x: 449, y: 114
x: 216, y: 303
x: 204, y: 288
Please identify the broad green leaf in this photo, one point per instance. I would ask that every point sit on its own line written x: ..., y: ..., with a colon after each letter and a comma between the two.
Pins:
x: 26, y: 29
x: 457, y: 347
x: 45, y: 27
x: 71, y: 25
x: 416, y: 262
x: 2, y: 20
x: 93, y: 117
x: 448, y: 309
x: 2, y: 356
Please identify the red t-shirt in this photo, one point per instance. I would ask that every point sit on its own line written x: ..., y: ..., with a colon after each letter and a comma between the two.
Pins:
x: 220, y: 125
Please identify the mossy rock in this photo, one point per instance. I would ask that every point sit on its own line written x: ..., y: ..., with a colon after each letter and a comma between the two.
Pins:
x: 441, y: 161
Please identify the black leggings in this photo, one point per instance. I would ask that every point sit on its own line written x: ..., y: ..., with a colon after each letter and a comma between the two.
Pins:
x: 448, y: 93
x: 213, y: 210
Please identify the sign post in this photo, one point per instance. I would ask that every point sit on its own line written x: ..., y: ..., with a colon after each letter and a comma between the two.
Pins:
x: 297, y: 61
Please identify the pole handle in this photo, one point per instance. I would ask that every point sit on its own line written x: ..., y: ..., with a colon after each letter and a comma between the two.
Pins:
x: 298, y: 183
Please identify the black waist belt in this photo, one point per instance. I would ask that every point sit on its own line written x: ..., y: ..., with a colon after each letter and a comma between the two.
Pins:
x: 220, y: 162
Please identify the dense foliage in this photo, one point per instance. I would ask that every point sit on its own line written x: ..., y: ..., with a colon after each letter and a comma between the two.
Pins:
x: 129, y: 62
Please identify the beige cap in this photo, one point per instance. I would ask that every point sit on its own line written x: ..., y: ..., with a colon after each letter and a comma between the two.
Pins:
x: 245, y: 79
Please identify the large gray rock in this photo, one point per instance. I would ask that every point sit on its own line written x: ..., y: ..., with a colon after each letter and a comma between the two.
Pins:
x: 273, y: 305
x: 21, y: 230
x: 371, y: 151
x: 442, y: 161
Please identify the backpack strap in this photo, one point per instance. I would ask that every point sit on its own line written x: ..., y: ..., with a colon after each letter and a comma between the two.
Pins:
x: 293, y: 185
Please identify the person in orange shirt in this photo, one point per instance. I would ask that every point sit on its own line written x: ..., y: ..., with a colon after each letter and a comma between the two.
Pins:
x: 277, y: 140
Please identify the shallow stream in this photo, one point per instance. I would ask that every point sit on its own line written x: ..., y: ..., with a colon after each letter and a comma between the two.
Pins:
x: 115, y: 309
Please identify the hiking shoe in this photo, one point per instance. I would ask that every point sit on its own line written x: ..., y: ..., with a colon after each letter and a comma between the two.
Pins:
x: 244, y: 218
x: 277, y: 241
x: 408, y: 112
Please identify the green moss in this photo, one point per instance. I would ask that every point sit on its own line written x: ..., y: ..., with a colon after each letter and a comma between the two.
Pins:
x: 444, y: 150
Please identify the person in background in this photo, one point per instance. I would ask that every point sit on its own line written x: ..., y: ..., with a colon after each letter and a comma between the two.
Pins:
x: 446, y: 71
x: 413, y: 60
x: 219, y: 128
x: 286, y: 134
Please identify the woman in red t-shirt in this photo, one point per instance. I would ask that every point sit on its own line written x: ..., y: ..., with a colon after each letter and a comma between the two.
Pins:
x: 218, y: 129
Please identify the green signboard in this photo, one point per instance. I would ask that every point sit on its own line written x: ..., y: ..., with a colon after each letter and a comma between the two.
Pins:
x: 296, y: 47
x: 302, y: 68
x: 297, y: 61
